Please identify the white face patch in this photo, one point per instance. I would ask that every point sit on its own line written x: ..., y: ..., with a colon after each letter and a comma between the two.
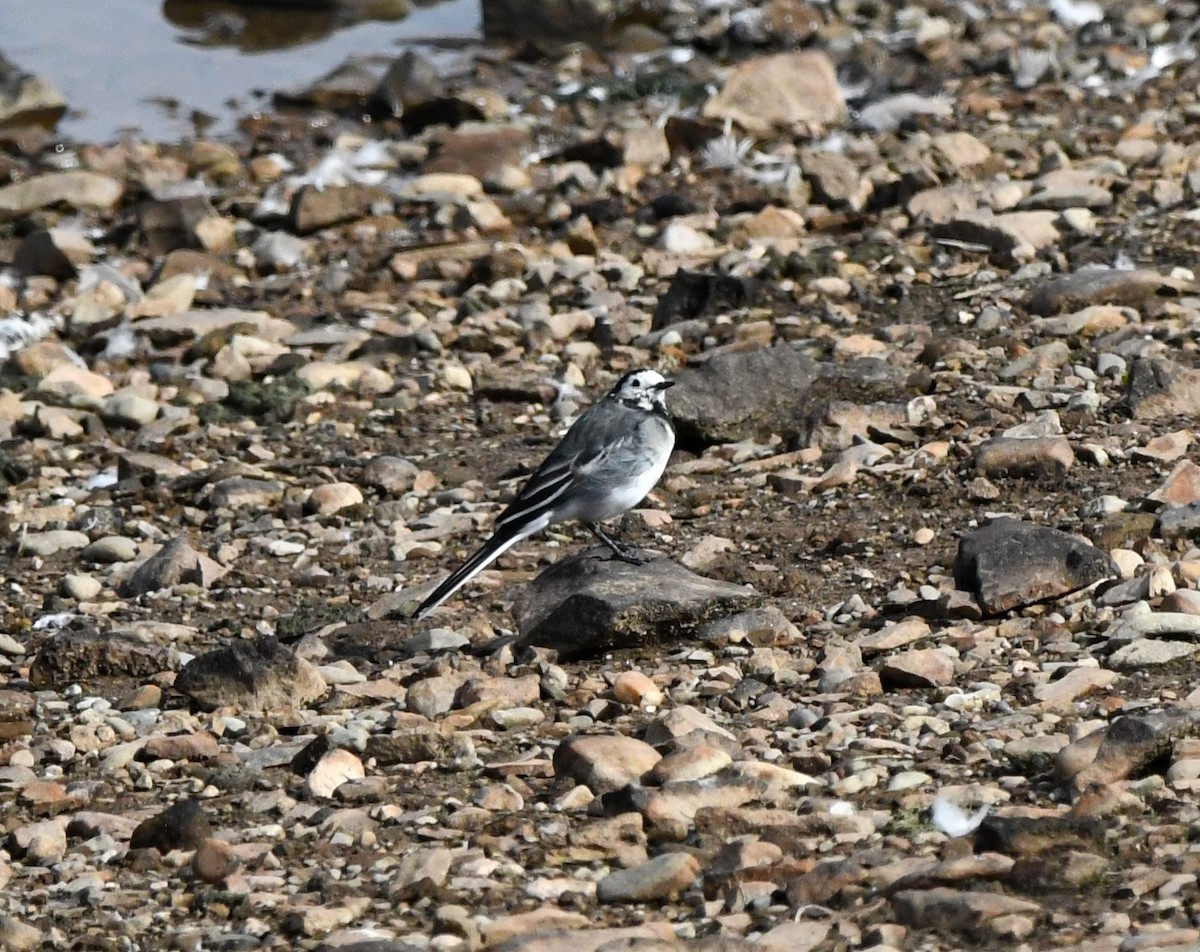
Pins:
x: 642, y: 389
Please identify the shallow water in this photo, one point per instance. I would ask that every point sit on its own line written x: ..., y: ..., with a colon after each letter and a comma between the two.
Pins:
x: 146, y: 67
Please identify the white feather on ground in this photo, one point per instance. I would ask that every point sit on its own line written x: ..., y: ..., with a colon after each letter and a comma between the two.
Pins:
x: 20, y: 331
x: 953, y: 820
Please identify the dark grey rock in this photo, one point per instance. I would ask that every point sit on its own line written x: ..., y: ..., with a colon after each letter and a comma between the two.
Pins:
x: 175, y: 222
x: 1007, y: 564
x: 663, y: 877
x: 1181, y: 522
x: 1125, y: 593
x: 411, y: 81
x: 174, y: 564
x: 70, y: 657
x: 591, y: 602
x: 735, y: 396
x: 1160, y: 389
x: 41, y: 253
x: 449, y: 751
x: 956, y: 910
x: 1040, y: 835
x: 147, y: 468
x: 1133, y: 742
x: 586, y: 20
x: 698, y: 294
x: 181, y: 826
x: 346, y: 88
x: 259, y: 675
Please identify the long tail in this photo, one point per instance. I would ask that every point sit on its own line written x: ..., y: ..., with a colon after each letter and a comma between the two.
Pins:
x: 504, y: 539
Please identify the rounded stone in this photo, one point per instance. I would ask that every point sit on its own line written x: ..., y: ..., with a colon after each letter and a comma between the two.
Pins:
x: 633, y: 687
x: 111, y: 549
x: 660, y: 878
x: 130, y: 408
x: 457, y: 377
x: 82, y: 588
x: 214, y: 862
x: 392, y: 474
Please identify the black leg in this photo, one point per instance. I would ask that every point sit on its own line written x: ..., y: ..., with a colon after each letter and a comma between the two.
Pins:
x: 619, y: 551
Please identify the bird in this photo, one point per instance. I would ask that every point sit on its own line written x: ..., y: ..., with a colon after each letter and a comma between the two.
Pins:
x: 607, y: 463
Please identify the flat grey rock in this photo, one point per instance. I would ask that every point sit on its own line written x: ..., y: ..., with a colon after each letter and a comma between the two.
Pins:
x: 593, y: 602
x: 75, y: 188
x: 52, y: 542
x: 1181, y: 522
x: 1047, y: 457
x: 434, y: 641
x: 1007, y: 564
x: 71, y: 656
x: 1148, y: 653
x: 1132, y: 287
x: 190, y: 325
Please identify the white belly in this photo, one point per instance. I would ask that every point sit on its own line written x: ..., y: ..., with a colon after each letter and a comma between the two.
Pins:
x: 636, y: 490
x: 621, y: 483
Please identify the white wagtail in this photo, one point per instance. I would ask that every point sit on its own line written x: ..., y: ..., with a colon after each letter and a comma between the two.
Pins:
x: 611, y: 457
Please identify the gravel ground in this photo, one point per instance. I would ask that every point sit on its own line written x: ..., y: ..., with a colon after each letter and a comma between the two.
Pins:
x: 924, y: 276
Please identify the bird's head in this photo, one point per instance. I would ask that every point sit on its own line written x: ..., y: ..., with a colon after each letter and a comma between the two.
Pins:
x: 643, y: 389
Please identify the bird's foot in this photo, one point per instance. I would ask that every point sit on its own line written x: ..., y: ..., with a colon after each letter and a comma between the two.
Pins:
x: 620, y: 551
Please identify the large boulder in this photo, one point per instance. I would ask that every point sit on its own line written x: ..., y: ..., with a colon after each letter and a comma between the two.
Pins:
x: 593, y: 602
x: 735, y: 396
x: 1007, y: 564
